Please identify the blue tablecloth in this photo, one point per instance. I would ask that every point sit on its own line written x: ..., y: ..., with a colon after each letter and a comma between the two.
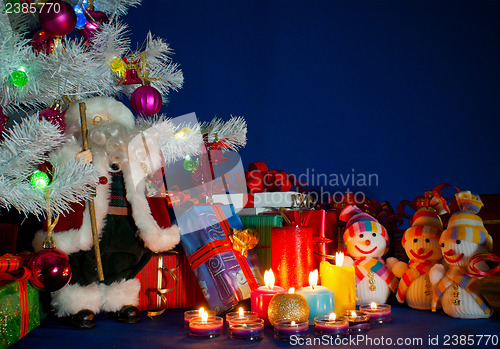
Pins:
x: 409, y: 329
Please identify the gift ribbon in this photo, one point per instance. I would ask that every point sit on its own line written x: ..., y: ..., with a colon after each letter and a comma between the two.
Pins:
x: 433, y: 198
x: 483, y: 257
x: 160, y: 292
x: 261, y: 179
x: 11, y: 269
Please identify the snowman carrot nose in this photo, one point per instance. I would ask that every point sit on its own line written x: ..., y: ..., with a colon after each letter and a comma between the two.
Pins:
x: 449, y: 253
x: 420, y: 251
x: 367, y: 242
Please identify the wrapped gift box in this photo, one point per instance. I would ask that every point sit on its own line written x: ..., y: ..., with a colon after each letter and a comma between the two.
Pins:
x: 19, y: 313
x: 267, y: 199
x: 263, y: 224
x: 325, y: 231
x: 167, y: 282
x: 225, y: 276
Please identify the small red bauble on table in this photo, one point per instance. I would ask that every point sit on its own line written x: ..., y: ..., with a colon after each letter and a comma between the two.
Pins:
x: 57, y: 17
x: 146, y: 101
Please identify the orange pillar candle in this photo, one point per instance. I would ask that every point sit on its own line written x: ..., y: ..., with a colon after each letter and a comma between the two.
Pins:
x: 292, y: 257
x: 341, y: 281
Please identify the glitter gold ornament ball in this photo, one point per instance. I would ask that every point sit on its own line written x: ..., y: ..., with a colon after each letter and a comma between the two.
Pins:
x: 288, y: 306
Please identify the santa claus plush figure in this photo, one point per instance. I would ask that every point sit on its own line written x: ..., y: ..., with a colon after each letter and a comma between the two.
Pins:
x: 464, y: 238
x: 366, y: 242
x: 130, y: 226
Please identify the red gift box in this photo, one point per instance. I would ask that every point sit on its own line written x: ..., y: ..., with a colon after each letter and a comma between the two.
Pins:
x: 167, y: 282
x: 325, y: 231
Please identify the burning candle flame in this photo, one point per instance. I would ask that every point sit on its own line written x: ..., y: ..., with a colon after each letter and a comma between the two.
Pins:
x: 240, y: 312
x: 373, y: 305
x: 201, y: 311
x: 332, y: 317
x: 313, y: 278
x: 353, y: 314
x: 293, y: 323
x: 291, y: 290
x: 204, y: 316
x: 269, y: 279
x: 339, y: 259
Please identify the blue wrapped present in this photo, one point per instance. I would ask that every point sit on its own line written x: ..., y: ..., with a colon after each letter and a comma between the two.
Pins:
x: 225, y: 276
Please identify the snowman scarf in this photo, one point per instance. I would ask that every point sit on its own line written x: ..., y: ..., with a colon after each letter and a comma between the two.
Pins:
x: 416, y: 269
x: 456, y: 276
x: 364, y: 265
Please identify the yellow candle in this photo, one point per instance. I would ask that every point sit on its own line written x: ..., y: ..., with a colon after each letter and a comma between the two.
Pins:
x: 341, y: 281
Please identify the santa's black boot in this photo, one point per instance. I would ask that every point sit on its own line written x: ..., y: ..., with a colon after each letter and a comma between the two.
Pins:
x: 128, y: 314
x: 83, y: 319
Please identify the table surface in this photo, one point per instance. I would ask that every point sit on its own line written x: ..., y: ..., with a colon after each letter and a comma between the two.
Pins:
x: 409, y: 329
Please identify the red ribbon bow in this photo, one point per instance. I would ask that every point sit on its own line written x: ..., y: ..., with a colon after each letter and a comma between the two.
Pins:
x: 261, y: 179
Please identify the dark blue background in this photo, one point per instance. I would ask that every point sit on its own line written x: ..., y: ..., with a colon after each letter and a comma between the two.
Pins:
x: 406, y: 90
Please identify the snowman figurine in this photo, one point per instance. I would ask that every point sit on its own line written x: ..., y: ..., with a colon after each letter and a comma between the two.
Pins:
x: 464, y: 238
x: 366, y: 241
x: 421, y: 244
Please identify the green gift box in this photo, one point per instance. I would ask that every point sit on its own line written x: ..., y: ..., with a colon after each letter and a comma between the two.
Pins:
x: 19, y: 312
x: 263, y: 224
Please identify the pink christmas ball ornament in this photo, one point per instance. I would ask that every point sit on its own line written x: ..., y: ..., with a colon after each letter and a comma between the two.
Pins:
x: 94, y: 20
x: 57, y: 17
x: 51, y: 270
x: 43, y: 42
x: 146, y: 101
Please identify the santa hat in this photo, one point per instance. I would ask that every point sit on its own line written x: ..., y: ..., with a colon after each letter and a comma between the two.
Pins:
x: 466, y: 225
x: 359, y: 222
x: 426, y: 223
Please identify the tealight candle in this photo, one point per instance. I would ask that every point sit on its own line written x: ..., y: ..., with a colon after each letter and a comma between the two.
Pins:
x: 358, y: 321
x: 331, y: 325
x: 249, y: 329
x: 205, y: 327
x: 284, y: 330
x: 240, y: 315
x: 379, y: 313
x: 188, y: 315
x: 321, y: 300
x: 340, y: 280
x: 262, y: 296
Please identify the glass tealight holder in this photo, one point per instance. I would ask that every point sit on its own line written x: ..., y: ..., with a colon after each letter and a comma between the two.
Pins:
x: 358, y: 322
x: 379, y: 313
x: 247, y: 329
x: 208, y: 329
x: 236, y: 316
x: 284, y: 330
x: 323, y: 326
x: 189, y: 314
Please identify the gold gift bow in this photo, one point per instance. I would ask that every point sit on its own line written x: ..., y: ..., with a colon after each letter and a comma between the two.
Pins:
x: 244, y: 240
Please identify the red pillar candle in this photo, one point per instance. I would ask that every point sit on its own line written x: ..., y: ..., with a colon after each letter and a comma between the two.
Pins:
x: 292, y: 258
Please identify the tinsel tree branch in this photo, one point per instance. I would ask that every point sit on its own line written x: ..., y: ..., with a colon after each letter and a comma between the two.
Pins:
x: 27, y: 145
x: 187, y: 140
x: 232, y: 133
x: 113, y: 8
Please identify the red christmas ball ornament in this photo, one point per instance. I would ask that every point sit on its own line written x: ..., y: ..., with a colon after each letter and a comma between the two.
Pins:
x: 146, y: 101
x: 94, y: 20
x: 54, y: 116
x: 51, y: 270
x: 43, y: 42
x: 57, y: 17
x: 3, y: 121
x: 103, y: 180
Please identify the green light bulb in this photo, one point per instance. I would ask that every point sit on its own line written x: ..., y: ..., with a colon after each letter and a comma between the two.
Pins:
x: 39, y: 179
x: 19, y: 78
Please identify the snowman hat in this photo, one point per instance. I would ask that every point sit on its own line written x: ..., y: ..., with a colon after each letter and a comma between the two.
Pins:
x: 466, y: 224
x: 99, y: 110
x: 426, y: 223
x: 359, y: 222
